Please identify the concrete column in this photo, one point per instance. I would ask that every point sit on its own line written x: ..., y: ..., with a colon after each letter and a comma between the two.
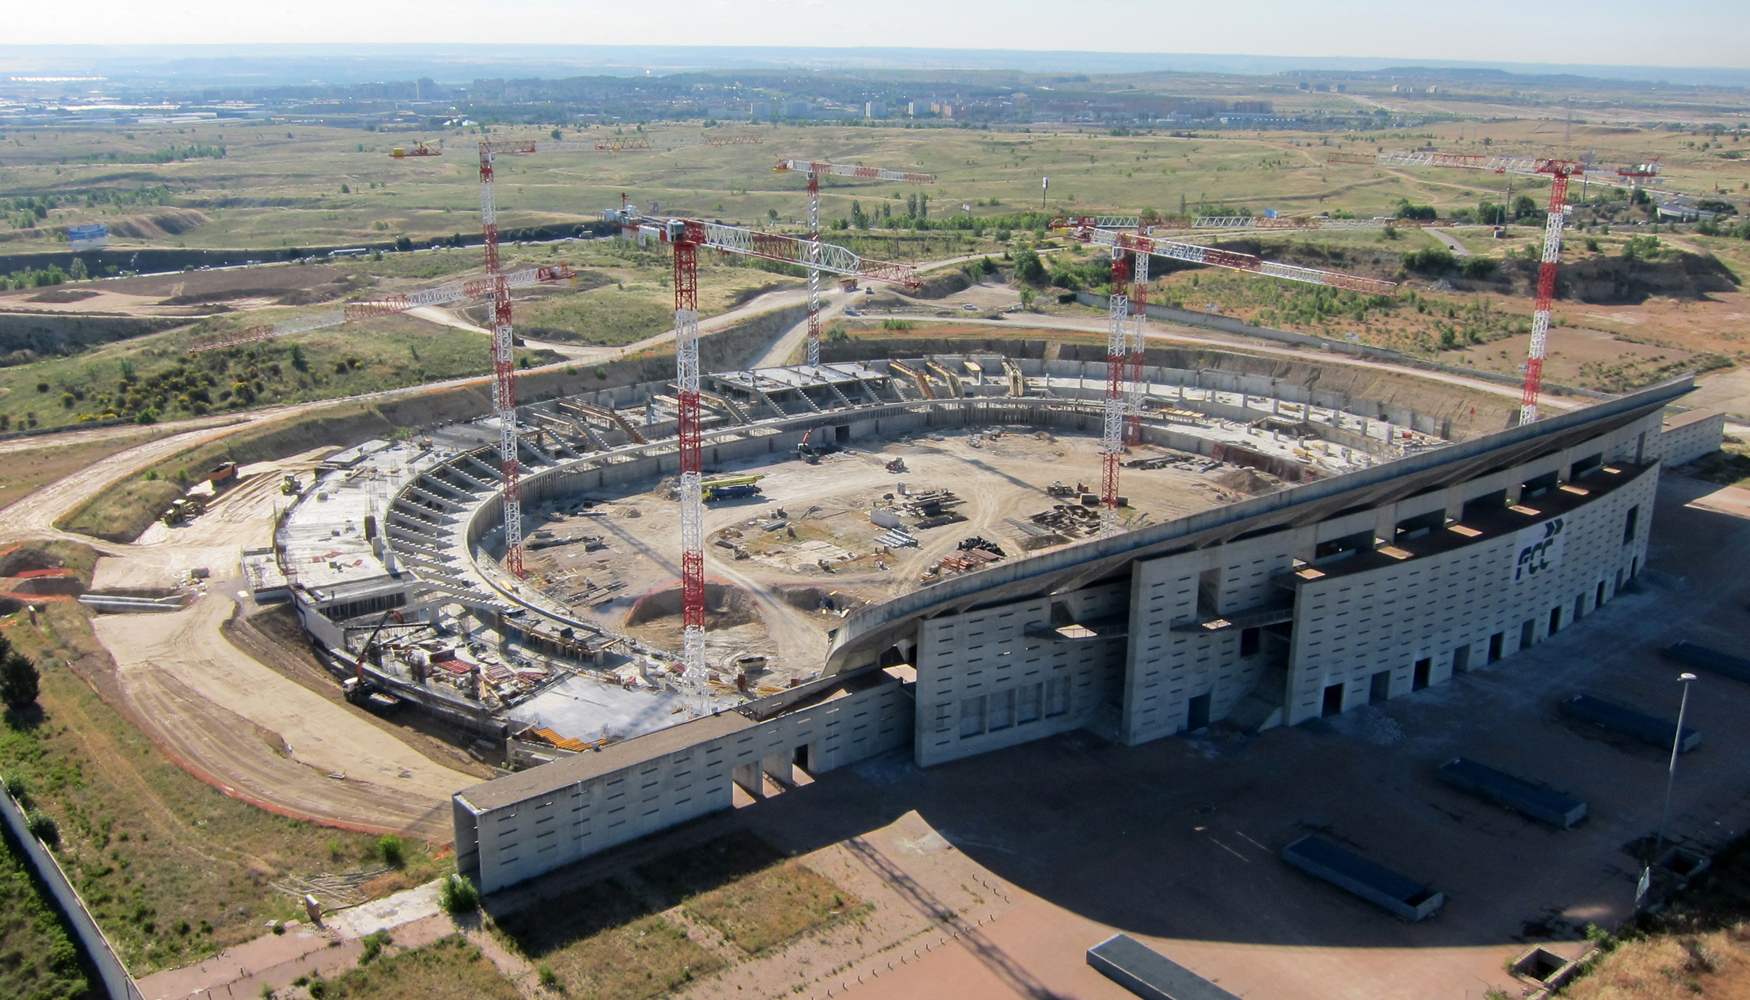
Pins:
x: 748, y: 777
x: 778, y: 767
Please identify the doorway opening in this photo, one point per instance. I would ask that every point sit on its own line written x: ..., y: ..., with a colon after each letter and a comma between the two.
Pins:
x: 1197, y: 713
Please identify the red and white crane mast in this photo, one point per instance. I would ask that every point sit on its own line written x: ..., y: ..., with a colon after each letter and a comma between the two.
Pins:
x: 815, y: 169
x: 1127, y: 314
x: 1117, y: 396
x: 503, y: 371
x: 1138, y: 345
x: 503, y: 351
x: 686, y: 236
x: 1559, y: 171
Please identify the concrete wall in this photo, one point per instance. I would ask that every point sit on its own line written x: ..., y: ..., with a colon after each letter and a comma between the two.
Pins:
x: 1359, y: 621
x: 1351, y: 627
x: 1688, y: 436
x: 1216, y: 321
x: 679, y: 779
x: 116, y: 982
x: 996, y: 677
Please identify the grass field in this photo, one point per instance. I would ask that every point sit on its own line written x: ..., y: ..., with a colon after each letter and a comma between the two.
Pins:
x: 328, y: 186
x: 608, y: 942
x: 603, y: 943
x: 28, y: 468
x: 172, y: 868
x: 38, y: 959
x: 447, y: 969
x: 270, y: 191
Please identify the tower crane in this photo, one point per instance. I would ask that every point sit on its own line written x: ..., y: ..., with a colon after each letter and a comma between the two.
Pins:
x: 814, y: 169
x: 1125, y: 331
x: 686, y: 236
x: 1149, y: 225
x: 503, y: 357
x: 1559, y: 172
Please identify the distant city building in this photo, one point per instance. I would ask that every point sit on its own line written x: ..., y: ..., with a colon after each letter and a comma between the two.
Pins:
x: 875, y: 109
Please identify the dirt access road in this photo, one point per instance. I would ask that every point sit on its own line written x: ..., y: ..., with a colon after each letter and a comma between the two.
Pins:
x: 228, y: 718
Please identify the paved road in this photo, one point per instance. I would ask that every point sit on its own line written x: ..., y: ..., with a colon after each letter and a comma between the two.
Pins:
x: 1452, y: 242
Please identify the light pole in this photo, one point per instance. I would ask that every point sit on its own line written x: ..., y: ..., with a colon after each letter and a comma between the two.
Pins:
x: 1646, y: 881
x: 1671, y: 773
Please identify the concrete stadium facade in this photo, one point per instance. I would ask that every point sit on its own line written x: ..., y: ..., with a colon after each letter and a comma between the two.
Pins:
x: 1273, y: 611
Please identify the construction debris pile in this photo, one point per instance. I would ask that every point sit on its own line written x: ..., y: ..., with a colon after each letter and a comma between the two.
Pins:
x: 932, y: 508
x: 974, y: 552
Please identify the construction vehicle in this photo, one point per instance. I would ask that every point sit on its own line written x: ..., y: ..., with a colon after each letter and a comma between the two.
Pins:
x: 290, y: 486
x: 223, y: 475
x: 812, y: 448
x: 730, y: 488
x: 183, y: 509
x: 419, y: 149
x: 1057, y: 489
x: 360, y: 689
x: 897, y: 466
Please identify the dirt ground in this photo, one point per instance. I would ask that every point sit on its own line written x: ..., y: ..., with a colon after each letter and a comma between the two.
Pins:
x: 1042, y: 851
x: 175, y: 294
x: 828, y: 506
x: 182, y: 675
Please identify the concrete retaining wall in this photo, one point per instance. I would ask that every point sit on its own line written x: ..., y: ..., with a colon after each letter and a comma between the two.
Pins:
x: 1215, y: 321
x: 116, y: 981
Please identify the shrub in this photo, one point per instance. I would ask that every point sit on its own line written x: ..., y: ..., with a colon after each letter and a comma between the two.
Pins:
x: 601, y: 372
x: 373, y: 945
x: 42, y: 826
x: 458, y: 895
x: 392, y: 850
x: 1477, y: 268
x: 1433, y: 260
x: 19, y: 789
x: 549, y: 979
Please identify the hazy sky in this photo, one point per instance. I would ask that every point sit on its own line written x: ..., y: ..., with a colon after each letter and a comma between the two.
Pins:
x: 1618, y: 32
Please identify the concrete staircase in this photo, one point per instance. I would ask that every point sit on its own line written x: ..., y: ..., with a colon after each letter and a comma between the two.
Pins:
x: 1262, y: 708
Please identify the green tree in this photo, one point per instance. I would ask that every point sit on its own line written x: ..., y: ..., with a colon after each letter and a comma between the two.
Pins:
x: 1524, y: 207
x: 18, y: 677
x: 77, y: 271
x: 1028, y: 268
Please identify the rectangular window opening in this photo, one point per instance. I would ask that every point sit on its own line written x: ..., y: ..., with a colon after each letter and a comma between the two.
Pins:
x: 1497, y: 646
x: 1421, y: 678
x: 972, y: 716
